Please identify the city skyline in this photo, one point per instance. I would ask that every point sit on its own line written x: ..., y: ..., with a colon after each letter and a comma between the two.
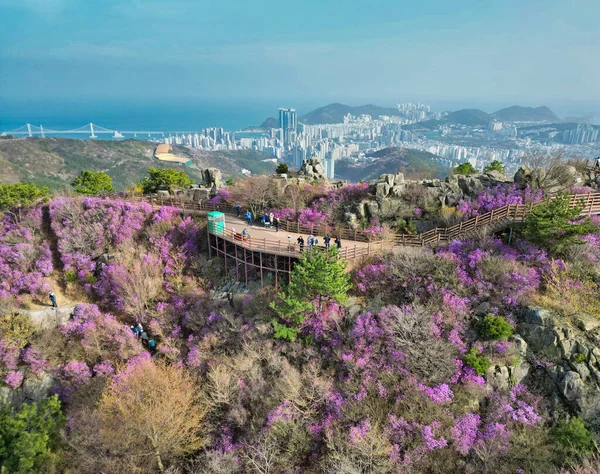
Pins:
x: 471, y: 51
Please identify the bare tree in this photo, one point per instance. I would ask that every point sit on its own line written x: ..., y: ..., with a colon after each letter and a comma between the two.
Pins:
x: 549, y: 171
x: 261, y: 456
x: 256, y: 192
x: 427, y: 357
x: 152, y: 409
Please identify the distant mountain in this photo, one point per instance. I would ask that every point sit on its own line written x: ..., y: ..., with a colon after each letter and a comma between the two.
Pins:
x: 468, y: 117
x: 517, y: 113
x: 413, y: 163
x: 54, y: 162
x: 472, y: 117
x: 334, y: 113
x: 268, y: 124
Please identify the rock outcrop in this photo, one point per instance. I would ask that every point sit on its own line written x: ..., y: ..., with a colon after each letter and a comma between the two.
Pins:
x: 49, y: 318
x: 565, y: 355
x: 313, y: 170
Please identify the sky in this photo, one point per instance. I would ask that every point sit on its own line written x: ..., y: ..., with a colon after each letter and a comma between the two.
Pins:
x: 470, y: 52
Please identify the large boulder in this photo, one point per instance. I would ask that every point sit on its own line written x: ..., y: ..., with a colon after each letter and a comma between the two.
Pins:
x: 212, y: 177
x: 49, y: 318
x: 523, y: 177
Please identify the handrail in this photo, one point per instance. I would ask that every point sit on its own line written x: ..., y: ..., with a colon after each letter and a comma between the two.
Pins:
x: 283, y: 247
x: 508, y: 212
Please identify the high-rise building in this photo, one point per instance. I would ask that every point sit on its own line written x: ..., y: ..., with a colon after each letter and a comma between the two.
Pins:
x: 288, y: 122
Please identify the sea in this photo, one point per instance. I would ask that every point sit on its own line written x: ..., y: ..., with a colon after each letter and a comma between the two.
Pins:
x: 167, y: 117
x: 180, y: 115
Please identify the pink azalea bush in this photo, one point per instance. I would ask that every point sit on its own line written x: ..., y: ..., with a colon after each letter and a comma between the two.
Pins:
x: 498, y: 196
x: 25, y: 260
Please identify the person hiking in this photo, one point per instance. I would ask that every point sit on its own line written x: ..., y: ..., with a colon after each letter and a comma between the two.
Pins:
x: 152, y: 345
x: 310, y: 241
x: 277, y: 224
x: 238, y: 210
x: 52, y: 297
x: 140, y: 329
x: 300, y: 241
x: 249, y: 217
x: 327, y: 241
x: 245, y: 234
x: 134, y: 330
x: 271, y: 219
x: 597, y: 167
x: 144, y: 337
x: 338, y: 243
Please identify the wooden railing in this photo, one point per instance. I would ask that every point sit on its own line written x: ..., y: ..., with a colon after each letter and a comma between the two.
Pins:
x: 291, y: 248
x: 505, y: 214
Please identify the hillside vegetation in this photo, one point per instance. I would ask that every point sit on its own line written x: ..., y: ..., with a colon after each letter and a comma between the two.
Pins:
x: 517, y: 113
x: 54, y: 162
x: 334, y: 113
x: 463, y: 359
x: 413, y: 163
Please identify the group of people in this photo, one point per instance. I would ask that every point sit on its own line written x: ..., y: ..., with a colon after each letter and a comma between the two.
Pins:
x: 312, y: 241
x: 138, y: 330
x: 267, y: 220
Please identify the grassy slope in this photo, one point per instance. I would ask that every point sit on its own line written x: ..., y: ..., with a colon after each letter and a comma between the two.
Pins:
x: 413, y: 163
x: 54, y: 162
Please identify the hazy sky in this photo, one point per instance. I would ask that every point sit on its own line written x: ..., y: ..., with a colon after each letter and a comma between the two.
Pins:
x: 525, y: 51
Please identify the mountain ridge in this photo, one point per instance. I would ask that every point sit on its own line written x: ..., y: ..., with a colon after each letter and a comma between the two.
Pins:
x: 54, y: 162
x: 414, y: 164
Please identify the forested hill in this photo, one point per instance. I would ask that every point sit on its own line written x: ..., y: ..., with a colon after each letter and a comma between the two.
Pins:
x: 413, y: 163
x: 54, y: 162
x: 335, y: 113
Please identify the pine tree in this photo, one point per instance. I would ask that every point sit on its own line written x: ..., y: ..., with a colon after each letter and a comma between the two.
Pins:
x: 92, y: 182
x: 555, y: 225
x: 318, y: 278
x: 29, y: 437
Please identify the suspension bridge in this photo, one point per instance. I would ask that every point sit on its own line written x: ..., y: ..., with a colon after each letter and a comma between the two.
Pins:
x: 90, y: 129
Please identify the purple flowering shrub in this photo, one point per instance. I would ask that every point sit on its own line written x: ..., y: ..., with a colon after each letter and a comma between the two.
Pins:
x: 87, y: 228
x: 25, y: 259
x: 222, y: 197
x: 97, y: 337
x: 328, y: 208
x: 498, y: 196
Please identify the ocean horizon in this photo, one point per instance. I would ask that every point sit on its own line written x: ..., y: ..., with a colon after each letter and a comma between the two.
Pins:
x: 190, y: 115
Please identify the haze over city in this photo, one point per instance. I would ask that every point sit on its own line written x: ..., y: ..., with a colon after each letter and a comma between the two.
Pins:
x: 461, y: 54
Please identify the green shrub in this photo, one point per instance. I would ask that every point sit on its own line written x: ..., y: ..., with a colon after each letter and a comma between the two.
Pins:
x: 92, y: 182
x: 495, y: 166
x: 20, y: 194
x: 574, y: 436
x: 71, y: 276
x: 478, y: 362
x: 465, y: 169
x: 579, y: 358
x: 90, y: 278
x: 164, y: 178
x: 494, y: 327
x: 29, y: 438
x: 282, y: 168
